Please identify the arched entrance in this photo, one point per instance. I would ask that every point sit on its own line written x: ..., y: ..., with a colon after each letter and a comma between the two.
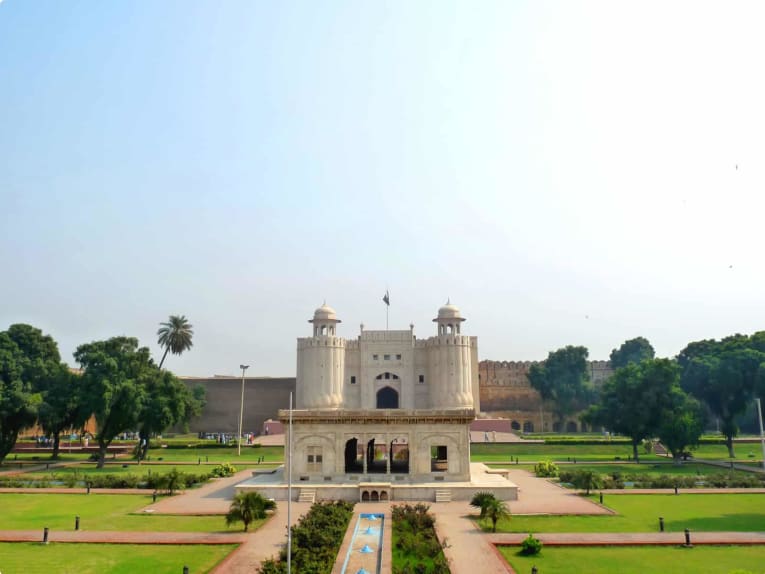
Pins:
x: 354, y: 464
x: 387, y: 398
x: 399, y: 455
x: 515, y: 425
x: 571, y: 427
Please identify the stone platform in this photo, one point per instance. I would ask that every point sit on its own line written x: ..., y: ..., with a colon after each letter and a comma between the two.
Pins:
x: 383, y: 487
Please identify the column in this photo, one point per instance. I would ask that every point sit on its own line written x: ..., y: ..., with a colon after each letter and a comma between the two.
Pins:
x: 389, y: 454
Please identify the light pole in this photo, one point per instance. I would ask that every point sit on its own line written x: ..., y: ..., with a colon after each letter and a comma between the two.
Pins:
x: 762, y: 434
x: 241, y: 412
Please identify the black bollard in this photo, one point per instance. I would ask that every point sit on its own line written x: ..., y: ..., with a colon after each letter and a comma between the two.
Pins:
x: 688, y: 538
x: 154, y: 496
x: 185, y: 570
x: 574, y: 460
x: 207, y: 459
x: 661, y: 524
x: 76, y: 522
x: 88, y: 491
x: 534, y: 570
x: 47, y: 465
x: 601, y: 498
x: 675, y: 489
x: 199, y: 460
x: 45, y: 535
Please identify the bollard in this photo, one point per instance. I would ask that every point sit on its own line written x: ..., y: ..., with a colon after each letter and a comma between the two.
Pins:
x: 76, y: 522
x: 45, y: 535
x: 199, y: 460
x: 688, y: 538
x: 534, y: 570
x: 185, y: 570
x: 601, y: 498
x: 154, y: 496
x: 675, y: 489
x: 47, y: 465
x: 661, y: 524
x: 88, y: 491
x: 207, y: 459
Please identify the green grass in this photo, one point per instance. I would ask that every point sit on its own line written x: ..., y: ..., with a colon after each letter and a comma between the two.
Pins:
x: 656, y: 467
x: 639, y: 559
x: 641, y: 512
x: 536, y: 451
x: 126, y: 468
x: 223, y: 454
x: 99, y: 512
x: 32, y: 558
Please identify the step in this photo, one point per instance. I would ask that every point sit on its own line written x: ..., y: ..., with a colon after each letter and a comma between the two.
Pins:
x: 443, y: 495
x: 307, y: 495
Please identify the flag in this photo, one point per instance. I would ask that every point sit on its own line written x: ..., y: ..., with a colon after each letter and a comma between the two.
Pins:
x: 386, y: 298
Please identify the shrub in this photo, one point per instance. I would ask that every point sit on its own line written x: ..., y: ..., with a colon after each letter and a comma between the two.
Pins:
x: 531, y: 546
x: 223, y: 470
x: 546, y: 468
x: 480, y: 499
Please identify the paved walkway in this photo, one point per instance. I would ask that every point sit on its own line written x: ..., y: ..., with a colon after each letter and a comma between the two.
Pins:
x: 264, y: 543
x: 212, y: 498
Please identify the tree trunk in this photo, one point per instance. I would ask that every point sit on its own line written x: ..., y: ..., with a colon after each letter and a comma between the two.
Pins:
x: 102, y: 446
x: 163, y: 357
x: 635, y: 451
x: 729, y: 444
x: 677, y: 458
x: 143, y: 444
x: 56, y: 443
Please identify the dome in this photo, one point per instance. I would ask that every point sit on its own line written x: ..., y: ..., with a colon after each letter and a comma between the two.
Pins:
x: 325, y: 313
x: 449, y: 311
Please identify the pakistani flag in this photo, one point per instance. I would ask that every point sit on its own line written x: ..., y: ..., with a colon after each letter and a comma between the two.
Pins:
x: 386, y: 298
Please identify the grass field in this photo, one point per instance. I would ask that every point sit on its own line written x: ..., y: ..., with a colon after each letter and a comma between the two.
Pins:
x: 640, y: 513
x: 481, y: 452
x: 124, y: 468
x: 639, y: 559
x: 32, y: 558
x: 223, y: 454
x: 99, y: 512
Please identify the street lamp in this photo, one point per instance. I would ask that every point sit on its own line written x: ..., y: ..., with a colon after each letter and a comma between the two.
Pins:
x: 241, y: 412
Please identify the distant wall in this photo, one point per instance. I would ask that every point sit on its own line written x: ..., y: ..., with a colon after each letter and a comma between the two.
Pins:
x: 263, y: 397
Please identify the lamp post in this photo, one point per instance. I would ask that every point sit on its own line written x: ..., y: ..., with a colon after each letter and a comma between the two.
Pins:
x: 241, y: 412
x: 762, y: 434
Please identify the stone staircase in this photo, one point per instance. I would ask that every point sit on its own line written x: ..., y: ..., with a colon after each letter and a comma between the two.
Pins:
x: 307, y: 495
x: 443, y: 495
x: 659, y: 450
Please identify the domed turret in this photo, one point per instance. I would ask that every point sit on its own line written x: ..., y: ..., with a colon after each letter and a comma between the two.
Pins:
x: 448, y: 319
x: 324, y: 320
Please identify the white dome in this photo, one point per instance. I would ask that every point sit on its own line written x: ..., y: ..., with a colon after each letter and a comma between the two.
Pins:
x: 449, y: 311
x: 325, y: 313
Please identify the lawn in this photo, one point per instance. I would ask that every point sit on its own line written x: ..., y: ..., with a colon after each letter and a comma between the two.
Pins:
x: 124, y: 468
x: 99, y: 512
x: 641, y: 512
x: 533, y: 452
x: 639, y: 559
x: 655, y: 467
x: 250, y: 454
x: 33, y: 558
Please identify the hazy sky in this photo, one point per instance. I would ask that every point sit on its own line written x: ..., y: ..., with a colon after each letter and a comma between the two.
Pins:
x: 566, y: 172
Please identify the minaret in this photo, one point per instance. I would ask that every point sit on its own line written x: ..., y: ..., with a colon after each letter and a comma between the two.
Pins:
x: 449, y: 358
x: 321, y: 363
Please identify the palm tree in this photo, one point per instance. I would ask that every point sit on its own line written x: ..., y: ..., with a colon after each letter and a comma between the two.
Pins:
x: 248, y: 506
x: 480, y: 500
x: 495, y: 510
x: 175, y: 336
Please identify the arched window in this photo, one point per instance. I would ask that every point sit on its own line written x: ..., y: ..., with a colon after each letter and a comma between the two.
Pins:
x: 387, y: 398
x: 387, y: 376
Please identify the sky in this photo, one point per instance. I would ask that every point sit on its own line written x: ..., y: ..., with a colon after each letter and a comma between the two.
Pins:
x: 567, y: 173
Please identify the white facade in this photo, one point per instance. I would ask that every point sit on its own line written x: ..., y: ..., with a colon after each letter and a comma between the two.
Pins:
x: 388, y: 369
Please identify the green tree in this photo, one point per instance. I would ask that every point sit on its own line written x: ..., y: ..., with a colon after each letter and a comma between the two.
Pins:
x: 725, y: 374
x: 62, y: 406
x: 562, y: 379
x: 248, y: 506
x: 631, y: 351
x: 682, y: 422
x: 480, y: 499
x: 115, y: 373
x: 175, y: 336
x: 586, y: 480
x: 495, y: 510
x: 631, y: 401
x: 167, y: 402
x: 18, y: 402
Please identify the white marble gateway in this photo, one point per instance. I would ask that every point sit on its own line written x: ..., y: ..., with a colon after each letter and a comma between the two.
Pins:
x: 382, y: 414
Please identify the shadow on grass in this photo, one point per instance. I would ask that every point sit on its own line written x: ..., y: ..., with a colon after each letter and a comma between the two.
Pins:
x: 727, y: 522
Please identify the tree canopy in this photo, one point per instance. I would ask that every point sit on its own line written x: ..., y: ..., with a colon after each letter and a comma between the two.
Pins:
x: 631, y: 401
x: 725, y: 375
x: 175, y: 336
x: 631, y: 351
x: 562, y: 378
x: 114, y: 375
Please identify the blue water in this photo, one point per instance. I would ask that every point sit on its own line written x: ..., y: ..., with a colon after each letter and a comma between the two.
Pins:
x: 365, y: 551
